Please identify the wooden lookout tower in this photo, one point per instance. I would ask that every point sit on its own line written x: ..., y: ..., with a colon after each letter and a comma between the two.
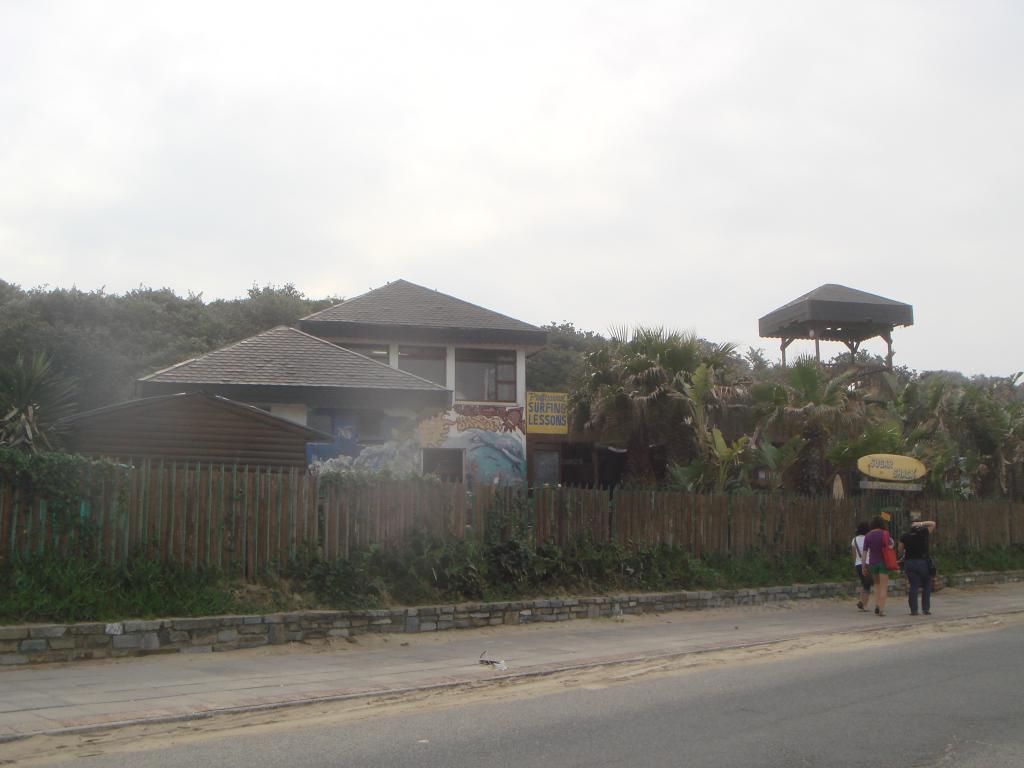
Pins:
x: 837, y: 313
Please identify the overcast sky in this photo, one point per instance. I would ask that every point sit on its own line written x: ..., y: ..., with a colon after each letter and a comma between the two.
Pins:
x: 694, y: 165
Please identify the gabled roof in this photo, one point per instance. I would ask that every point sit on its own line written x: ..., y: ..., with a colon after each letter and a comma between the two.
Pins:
x: 286, y: 357
x: 836, y: 313
x: 147, y: 404
x: 404, y: 310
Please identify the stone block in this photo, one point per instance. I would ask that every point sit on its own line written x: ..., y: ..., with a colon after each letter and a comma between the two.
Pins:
x: 55, y: 630
x: 190, y: 624
x: 92, y: 641
x: 114, y: 628
x: 86, y: 629
x: 273, y: 618
x: 252, y: 641
x: 62, y: 643
x: 338, y: 633
x: 35, y: 644
x: 149, y: 641
x: 252, y: 620
x: 428, y: 626
x: 253, y: 629
x: 142, y: 626
x: 122, y: 642
x: 276, y: 634
x: 412, y: 624
x: 227, y: 636
x: 13, y: 633
x: 11, y: 659
x: 196, y: 649
x: 295, y: 635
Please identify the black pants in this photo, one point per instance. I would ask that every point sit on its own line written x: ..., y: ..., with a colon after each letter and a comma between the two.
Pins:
x: 916, y: 571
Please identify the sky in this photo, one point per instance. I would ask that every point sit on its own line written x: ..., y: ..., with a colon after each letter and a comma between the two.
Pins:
x: 688, y: 165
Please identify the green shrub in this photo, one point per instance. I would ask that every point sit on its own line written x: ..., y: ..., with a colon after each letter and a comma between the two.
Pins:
x: 76, y: 588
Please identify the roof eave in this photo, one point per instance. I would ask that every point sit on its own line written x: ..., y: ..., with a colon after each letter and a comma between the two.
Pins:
x: 340, y: 329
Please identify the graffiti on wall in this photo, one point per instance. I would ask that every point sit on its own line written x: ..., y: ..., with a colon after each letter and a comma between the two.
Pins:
x: 492, y: 438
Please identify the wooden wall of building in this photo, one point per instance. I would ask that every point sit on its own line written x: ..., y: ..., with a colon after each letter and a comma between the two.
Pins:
x: 190, y: 428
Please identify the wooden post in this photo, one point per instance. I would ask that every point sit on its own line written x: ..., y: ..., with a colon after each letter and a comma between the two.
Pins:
x: 887, y: 336
x: 785, y: 343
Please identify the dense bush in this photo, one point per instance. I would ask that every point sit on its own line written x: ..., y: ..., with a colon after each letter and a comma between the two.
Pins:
x: 68, y: 589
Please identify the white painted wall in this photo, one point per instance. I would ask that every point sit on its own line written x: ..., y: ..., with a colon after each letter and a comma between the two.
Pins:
x: 295, y: 413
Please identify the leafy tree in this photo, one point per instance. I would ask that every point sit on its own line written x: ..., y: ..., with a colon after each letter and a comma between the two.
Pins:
x: 558, y: 366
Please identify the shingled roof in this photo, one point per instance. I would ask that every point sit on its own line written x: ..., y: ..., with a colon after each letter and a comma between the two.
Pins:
x: 836, y: 313
x: 284, y: 360
x: 402, y: 311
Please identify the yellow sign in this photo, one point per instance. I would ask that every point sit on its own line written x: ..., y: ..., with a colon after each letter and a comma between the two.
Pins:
x: 889, y: 466
x: 547, y: 413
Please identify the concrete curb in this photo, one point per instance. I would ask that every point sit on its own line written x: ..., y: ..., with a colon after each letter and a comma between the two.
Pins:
x: 527, y: 674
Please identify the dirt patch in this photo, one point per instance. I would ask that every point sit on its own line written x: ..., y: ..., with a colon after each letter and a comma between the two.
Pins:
x: 47, y: 750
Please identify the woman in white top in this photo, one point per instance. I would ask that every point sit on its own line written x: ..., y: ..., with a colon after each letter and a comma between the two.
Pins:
x: 857, y: 549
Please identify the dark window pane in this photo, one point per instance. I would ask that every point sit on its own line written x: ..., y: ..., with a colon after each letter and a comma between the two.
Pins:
x: 485, y: 375
x: 446, y: 463
x: 426, y: 362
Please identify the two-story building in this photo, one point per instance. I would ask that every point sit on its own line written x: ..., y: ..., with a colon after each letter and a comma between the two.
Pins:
x: 435, y: 384
x: 477, y: 354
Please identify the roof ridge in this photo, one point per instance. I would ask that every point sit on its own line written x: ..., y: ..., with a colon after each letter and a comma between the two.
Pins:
x: 448, y: 296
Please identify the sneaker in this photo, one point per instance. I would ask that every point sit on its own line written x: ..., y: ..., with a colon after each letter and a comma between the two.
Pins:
x: 927, y: 613
x: 876, y: 610
x: 914, y: 613
x: 860, y: 606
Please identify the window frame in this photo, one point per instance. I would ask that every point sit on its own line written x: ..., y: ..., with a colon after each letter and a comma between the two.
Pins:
x: 501, y: 357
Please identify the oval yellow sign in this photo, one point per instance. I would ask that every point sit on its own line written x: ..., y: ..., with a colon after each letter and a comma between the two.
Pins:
x: 890, y: 466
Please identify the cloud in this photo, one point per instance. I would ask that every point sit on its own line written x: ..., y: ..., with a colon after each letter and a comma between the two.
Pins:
x: 693, y: 166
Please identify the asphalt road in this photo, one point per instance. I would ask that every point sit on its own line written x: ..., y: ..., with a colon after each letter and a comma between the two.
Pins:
x: 951, y: 701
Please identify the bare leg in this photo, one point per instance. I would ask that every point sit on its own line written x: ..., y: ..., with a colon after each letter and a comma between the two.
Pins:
x: 881, y: 591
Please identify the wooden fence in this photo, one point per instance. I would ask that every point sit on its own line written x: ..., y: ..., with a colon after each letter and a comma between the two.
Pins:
x: 249, y: 520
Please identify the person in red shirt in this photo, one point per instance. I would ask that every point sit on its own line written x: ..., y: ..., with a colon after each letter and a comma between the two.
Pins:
x: 874, y: 563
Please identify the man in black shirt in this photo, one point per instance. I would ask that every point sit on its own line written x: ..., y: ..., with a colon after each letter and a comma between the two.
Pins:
x: 914, y: 548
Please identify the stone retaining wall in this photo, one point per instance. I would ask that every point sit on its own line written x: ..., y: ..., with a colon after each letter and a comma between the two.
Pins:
x: 34, y: 644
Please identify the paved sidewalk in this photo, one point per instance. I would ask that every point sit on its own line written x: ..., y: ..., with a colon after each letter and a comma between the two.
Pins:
x: 61, y: 696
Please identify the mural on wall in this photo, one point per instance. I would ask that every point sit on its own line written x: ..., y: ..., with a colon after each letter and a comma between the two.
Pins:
x: 492, y: 438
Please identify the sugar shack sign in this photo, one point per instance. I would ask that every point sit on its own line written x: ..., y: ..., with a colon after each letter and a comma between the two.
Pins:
x: 889, y: 466
x: 547, y: 413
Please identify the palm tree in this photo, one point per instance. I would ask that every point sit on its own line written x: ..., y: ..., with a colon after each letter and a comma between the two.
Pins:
x: 812, y: 405
x: 33, y: 397
x: 637, y: 390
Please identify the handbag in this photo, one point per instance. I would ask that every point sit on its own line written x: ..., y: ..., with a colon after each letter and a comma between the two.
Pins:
x: 889, y: 556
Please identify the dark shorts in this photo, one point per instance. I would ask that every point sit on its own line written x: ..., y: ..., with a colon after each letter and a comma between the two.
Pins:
x: 865, y: 581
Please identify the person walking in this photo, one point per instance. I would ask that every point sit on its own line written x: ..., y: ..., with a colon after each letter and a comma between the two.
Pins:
x: 878, y: 546
x: 857, y: 550
x: 916, y: 562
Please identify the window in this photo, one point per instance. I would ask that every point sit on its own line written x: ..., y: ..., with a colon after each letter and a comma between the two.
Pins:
x: 485, y: 375
x: 378, y: 352
x: 371, y: 426
x: 321, y: 420
x: 426, y: 362
x: 547, y: 466
x: 446, y: 463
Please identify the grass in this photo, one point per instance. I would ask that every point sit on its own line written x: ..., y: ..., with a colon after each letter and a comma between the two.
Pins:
x: 53, y: 589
